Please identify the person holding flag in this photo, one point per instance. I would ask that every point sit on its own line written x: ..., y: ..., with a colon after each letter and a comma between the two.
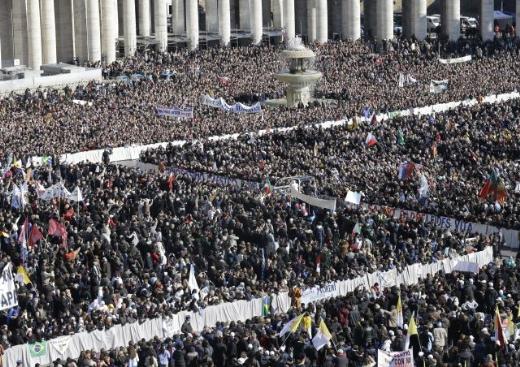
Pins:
x: 322, y: 337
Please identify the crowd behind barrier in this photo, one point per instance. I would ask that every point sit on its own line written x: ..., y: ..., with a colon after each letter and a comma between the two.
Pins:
x: 510, y: 236
x: 71, y: 346
x: 133, y: 152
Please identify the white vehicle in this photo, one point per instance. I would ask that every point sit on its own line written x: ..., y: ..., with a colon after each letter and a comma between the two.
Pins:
x: 467, y: 23
x: 433, y: 22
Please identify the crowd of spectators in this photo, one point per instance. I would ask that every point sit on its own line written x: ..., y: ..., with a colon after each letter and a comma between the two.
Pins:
x: 124, y: 253
x: 47, y: 122
x: 454, y: 314
x: 130, y: 244
x: 456, y: 151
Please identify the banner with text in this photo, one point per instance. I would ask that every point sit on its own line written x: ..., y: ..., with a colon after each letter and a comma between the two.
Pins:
x: 395, y: 359
x: 456, y: 60
x: 8, y: 296
x: 237, y: 107
x: 182, y: 113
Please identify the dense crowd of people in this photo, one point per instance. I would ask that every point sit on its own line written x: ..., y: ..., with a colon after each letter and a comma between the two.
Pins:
x: 456, y: 151
x: 454, y: 314
x: 124, y: 252
x: 118, y: 115
x: 129, y: 246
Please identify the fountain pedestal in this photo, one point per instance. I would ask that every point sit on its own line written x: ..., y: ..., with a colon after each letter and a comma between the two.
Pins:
x: 299, y: 76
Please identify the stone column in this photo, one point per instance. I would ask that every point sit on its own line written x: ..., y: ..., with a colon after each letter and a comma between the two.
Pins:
x: 144, y: 18
x: 257, y: 24
x: 93, y: 31
x: 419, y: 21
x: 48, y: 32
x: 450, y: 21
x: 192, y: 23
x: 130, y: 27
x: 487, y: 18
x: 311, y: 20
x: 385, y: 20
x: 322, y: 21
x: 244, y: 13
x: 20, y: 35
x: 5, y: 33
x: 34, y: 34
x: 161, y: 24
x: 517, y: 18
x: 370, y: 17
x: 351, y: 23
x: 289, y: 22
x: 224, y: 12
x: 180, y: 27
x: 212, y: 17
x: 109, y: 30
x: 278, y: 10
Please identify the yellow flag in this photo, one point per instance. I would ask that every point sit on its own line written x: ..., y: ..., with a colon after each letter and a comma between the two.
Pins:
x: 511, y: 327
x: 295, y: 323
x: 23, y: 274
x: 325, y: 330
x: 412, y: 327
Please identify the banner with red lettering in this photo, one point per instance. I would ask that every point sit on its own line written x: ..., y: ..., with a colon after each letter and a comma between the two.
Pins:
x: 395, y: 359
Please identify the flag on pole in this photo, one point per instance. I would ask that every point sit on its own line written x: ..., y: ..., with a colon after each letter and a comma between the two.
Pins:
x: 35, y: 235
x: 322, y: 337
x: 22, y: 238
x: 76, y: 195
x: 412, y: 330
x: 192, y: 280
x: 371, y: 140
x: 22, y: 275
x: 268, y: 188
x: 291, y: 326
x: 500, y: 337
x: 266, y: 306
x: 399, y: 309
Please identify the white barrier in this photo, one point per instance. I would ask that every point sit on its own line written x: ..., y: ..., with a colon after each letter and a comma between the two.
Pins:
x: 511, y: 236
x: 71, y: 346
x: 133, y: 152
x: 35, y: 81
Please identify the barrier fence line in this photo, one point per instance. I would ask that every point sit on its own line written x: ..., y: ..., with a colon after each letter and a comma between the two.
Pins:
x: 133, y: 152
x: 70, y: 346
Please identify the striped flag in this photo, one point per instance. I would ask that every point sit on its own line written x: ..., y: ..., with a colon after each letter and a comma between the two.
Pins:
x: 291, y: 326
x: 400, y: 317
x: 322, y: 337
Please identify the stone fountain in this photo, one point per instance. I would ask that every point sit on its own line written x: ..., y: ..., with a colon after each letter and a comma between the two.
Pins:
x: 299, y: 76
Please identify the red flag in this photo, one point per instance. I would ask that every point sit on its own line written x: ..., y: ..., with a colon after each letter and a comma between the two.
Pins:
x: 69, y: 214
x: 485, y: 190
x: 58, y: 229
x: 35, y: 235
x: 170, y: 182
x: 370, y: 140
x: 500, y: 337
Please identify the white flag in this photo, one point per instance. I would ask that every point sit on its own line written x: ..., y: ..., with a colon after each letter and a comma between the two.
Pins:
x: 76, y: 195
x: 192, y: 280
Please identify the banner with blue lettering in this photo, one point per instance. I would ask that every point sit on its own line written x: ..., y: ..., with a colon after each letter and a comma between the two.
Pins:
x: 182, y: 113
x: 236, y: 108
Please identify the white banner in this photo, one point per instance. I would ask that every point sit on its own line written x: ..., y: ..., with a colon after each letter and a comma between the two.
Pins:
x: 438, y: 86
x: 395, y: 359
x: 466, y: 267
x: 314, y: 201
x: 353, y: 197
x: 317, y: 293
x: 237, y: 107
x: 8, y: 296
x: 455, y: 60
x: 175, y: 112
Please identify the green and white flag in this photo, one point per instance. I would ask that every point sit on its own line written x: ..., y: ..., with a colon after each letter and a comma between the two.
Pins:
x: 37, y: 349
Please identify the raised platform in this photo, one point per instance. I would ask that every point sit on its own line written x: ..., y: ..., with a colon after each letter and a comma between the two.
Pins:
x: 18, y: 79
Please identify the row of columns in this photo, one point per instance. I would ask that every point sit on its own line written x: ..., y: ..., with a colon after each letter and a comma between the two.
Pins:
x: 96, y: 29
